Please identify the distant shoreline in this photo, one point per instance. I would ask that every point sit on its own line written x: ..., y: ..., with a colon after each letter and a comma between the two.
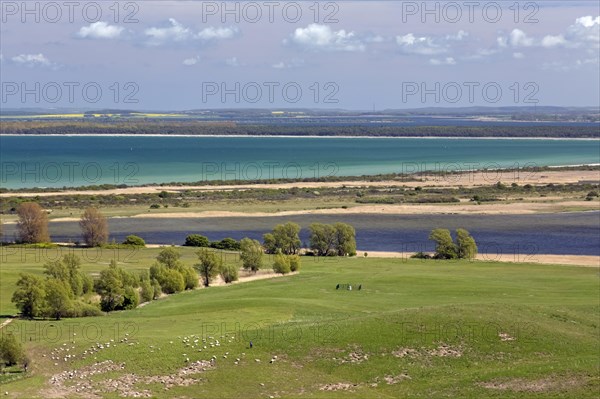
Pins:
x: 299, y: 136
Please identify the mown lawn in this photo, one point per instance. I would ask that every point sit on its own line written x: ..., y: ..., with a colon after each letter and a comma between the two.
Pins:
x: 416, y: 329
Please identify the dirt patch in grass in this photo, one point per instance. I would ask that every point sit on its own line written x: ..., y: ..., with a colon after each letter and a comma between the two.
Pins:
x: 442, y: 350
x: 546, y: 384
x: 391, y: 380
x: 340, y: 386
x: 79, y: 382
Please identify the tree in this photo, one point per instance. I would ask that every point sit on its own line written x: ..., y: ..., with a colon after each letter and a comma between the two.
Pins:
x: 210, y: 265
x: 169, y: 257
x: 284, y: 238
x: 251, y: 255
x: 11, y: 350
x: 32, y: 226
x: 29, y: 297
x: 269, y: 243
x: 444, y: 246
x: 345, y: 239
x: 94, y: 227
x: 196, y: 240
x: 135, y: 241
x: 465, y: 245
x: 58, y: 300
x: 322, y: 238
x: 229, y: 273
x: 110, y: 288
x: 281, y: 264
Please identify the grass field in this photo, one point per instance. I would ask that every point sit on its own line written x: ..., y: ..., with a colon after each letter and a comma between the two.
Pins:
x: 416, y: 329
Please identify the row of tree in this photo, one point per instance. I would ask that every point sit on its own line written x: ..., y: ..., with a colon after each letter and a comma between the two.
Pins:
x: 59, y: 294
x: 325, y: 240
x: 68, y: 292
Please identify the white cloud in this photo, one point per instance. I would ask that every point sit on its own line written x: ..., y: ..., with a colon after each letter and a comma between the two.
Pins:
x: 295, y: 63
x: 588, y: 21
x: 216, y: 33
x: 191, y: 61
x: 318, y: 37
x: 518, y: 38
x: 584, y: 33
x: 423, y: 45
x: 446, y: 61
x: 429, y: 45
x: 553, y: 41
x: 518, y: 56
x: 32, y: 60
x: 100, y: 30
x: 178, y: 33
x: 232, y: 62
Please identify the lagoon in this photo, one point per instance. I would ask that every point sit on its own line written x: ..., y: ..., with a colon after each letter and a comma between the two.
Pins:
x: 71, y: 161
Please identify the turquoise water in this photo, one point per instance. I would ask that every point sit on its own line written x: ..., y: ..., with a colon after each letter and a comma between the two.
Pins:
x: 57, y: 161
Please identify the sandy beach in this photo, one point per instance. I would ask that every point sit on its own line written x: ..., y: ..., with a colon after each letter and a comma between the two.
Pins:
x: 570, y: 260
x: 467, y: 179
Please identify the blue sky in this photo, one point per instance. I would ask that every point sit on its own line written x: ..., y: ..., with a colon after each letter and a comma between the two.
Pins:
x: 176, y: 55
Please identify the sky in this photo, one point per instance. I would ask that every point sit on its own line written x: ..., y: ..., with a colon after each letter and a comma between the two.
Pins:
x: 358, y: 55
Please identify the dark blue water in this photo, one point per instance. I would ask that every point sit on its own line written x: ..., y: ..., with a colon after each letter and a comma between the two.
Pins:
x: 565, y: 233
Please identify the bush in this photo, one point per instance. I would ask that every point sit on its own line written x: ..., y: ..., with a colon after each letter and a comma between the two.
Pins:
x: 226, y: 244
x: 135, y: 241
x: 281, y: 264
x: 146, y: 291
x: 196, y: 240
x: 154, y: 206
x: 229, y: 273
x: 171, y: 281
x: 421, y: 255
x: 157, y: 289
x: 131, y: 298
x: 11, y: 350
x: 82, y: 309
x: 294, y: 261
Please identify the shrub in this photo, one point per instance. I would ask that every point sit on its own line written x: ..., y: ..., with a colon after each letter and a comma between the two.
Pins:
x: 146, y: 291
x: 135, y: 241
x: 229, y: 273
x: 251, y: 254
x: 294, y: 261
x: 131, y: 298
x: 82, y: 309
x: 281, y: 264
x: 226, y: 244
x: 420, y: 255
x: 11, y: 350
x: 172, y: 281
x: 196, y: 240
x: 154, y: 206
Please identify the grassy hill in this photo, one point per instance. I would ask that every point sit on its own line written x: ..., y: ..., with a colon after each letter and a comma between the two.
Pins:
x: 416, y: 329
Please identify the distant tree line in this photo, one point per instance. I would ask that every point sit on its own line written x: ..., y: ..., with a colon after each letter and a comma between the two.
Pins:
x: 194, y: 127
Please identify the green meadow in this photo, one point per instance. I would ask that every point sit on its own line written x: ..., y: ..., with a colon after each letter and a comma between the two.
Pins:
x: 423, y: 329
